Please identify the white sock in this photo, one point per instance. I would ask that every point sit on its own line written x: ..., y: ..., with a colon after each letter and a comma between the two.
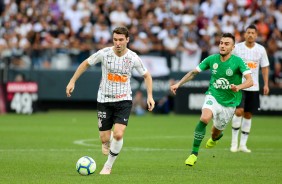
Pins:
x: 246, y: 127
x: 114, y: 151
x: 236, y: 123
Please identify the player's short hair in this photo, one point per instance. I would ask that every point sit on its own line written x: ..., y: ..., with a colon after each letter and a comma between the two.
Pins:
x: 228, y: 35
x: 252, y: 26
x: 121, y: 30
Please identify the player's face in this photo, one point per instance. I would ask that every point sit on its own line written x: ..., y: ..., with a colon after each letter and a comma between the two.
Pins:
x: 250, y: 35
x: 226, y: 45
x: 120, y: 42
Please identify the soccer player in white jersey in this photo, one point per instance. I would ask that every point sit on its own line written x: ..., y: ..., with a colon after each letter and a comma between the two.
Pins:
x: 223, y: 95
x: 255, y: 56
x: 114, y: 94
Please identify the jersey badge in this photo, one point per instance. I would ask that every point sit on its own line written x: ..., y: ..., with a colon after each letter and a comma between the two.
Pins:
x: 229, y: 72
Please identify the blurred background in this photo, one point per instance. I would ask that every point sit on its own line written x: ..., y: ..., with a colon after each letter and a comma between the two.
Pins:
x: 43, y: 41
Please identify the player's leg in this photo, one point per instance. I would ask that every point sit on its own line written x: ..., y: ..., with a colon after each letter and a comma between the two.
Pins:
x: 200, y: 129
x: 251, y: 106
x: 199, y: 135
x: 216, y: 135
x: 236, y: 124
x: 245, y: 130
x: 220, y: 121
x: 106, y: 138
x: 105, y: 124
x: 121, y: 116
x: 115, y: 148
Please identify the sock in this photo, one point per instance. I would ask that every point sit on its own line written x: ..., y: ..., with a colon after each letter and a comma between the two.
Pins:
x: 219, y: 137
x: 236, y: 123
x: 199, y: 135
x: 114, y: 151
x: 245, y: 129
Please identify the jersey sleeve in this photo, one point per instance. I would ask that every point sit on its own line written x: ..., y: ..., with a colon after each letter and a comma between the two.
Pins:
x: 264, y: 59
x: 139, y: 66
x: 204, y: 65
x: 95, y: 58
x: 244, y: 69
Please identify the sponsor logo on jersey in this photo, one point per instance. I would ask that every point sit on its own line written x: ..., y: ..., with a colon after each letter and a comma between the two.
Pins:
x: 252, y: 64
x: 114, y: 77
x: 116, y: 96
x: 221, y: 83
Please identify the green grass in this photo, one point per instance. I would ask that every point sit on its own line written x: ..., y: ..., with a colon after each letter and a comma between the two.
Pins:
x: 43, y: 148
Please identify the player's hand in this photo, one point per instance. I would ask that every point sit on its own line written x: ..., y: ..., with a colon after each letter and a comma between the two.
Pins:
x: 265, y: 90
x: 151, y: 104
x: 69, y: 89
x: 173, y: 88
x: 234, y: 88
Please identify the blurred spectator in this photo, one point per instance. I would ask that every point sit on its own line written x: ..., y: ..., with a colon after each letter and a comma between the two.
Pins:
x: 170, y: 43
x: 277, y: 75
x: 190, y: 54
x: 33, y: 29
x: 141, y: 44
x: 119, y: 17
x: 2, y: 6
x: 166, y: 104
x: 20, y: 77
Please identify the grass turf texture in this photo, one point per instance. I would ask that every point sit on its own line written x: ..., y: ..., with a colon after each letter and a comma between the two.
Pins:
x: 44, y: 148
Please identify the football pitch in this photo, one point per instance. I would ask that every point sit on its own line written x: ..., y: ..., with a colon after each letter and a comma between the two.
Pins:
x: 44, y: 148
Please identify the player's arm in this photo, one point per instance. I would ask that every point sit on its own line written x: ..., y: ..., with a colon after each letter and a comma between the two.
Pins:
x: 265, y: 74
x: 189, y: 76
x: 80, y: 70
x: 149, y: 84
x: 246, y: 84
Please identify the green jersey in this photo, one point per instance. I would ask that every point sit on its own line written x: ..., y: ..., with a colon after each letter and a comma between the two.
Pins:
x: 223, y: 74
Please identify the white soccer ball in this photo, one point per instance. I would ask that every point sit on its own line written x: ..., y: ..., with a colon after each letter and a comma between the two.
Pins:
x: 86, y: 166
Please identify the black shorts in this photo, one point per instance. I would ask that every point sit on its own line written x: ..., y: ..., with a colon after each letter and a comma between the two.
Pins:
x: 113, y: 112
x: 250, y: 101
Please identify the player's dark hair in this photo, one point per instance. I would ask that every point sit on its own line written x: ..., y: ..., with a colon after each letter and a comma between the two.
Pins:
x: 121, y: 30
x: 228, y: 35
x: 252, y: 26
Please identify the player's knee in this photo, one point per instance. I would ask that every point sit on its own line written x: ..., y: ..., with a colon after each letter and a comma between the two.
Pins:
x: 118, y: 135
x: 205, y: 120
x: 247, y: 115
x: 239, y: 112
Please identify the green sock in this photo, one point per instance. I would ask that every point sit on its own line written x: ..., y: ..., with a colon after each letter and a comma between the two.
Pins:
x: 220, y: 135
x: 199, y: 135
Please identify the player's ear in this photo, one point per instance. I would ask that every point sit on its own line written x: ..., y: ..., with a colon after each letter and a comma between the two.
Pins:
x: 127, y: 40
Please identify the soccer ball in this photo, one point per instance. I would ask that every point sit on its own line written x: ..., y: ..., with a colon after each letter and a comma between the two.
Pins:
x: 85, y: 166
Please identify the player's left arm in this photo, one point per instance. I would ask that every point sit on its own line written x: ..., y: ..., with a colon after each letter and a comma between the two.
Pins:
x: 149, y: 84
x: 265, y: 73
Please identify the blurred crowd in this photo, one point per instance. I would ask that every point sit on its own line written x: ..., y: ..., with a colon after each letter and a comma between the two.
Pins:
x: 60, y: 34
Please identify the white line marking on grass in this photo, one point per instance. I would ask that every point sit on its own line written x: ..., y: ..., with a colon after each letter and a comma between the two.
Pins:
x: 264, y: 151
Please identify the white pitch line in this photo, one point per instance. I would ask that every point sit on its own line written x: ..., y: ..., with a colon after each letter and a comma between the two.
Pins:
x: 264, y: 151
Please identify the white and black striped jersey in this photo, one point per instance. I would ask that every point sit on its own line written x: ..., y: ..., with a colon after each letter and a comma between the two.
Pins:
x: 255, y: 58
x: 116, y: 74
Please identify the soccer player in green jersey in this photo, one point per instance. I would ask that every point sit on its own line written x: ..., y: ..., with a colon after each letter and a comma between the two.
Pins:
x: 223, y: 94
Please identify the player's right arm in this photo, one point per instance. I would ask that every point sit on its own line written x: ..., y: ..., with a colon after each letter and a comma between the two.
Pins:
x: 204, y: 65
x: 189, y: 76
x: 80, y: 70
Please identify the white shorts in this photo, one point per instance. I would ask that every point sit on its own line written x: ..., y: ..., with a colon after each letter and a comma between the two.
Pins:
x: 221, y: 114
